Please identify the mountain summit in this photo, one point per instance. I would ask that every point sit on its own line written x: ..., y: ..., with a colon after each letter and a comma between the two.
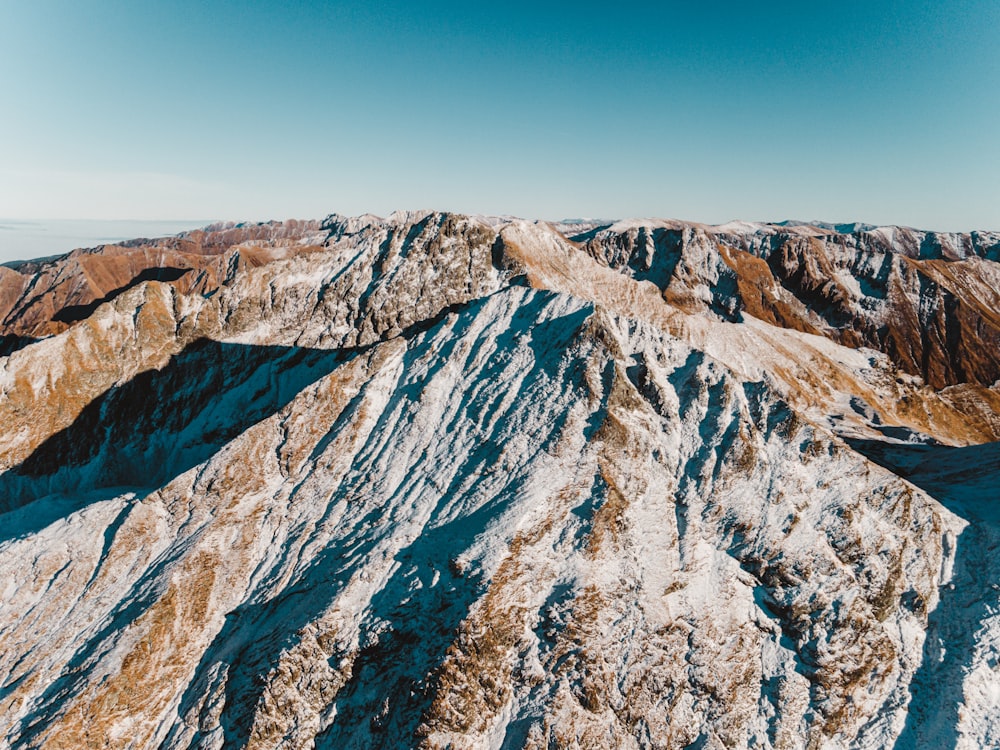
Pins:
x: 446, y: 481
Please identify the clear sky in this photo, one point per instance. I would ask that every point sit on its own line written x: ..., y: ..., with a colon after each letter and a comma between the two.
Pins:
x: 882, y: 111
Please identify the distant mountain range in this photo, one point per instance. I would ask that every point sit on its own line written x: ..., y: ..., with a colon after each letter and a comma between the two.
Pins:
x: 436, y: 480
x: 22, y: 239
x: 848, y: 228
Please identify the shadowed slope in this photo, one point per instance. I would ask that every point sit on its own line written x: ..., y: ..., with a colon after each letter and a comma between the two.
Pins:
x: 145, y: 432
x: 967, y: 482
x: 74, y: 313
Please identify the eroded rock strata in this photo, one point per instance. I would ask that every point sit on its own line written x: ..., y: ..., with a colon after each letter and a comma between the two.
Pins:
x: 444, y: 481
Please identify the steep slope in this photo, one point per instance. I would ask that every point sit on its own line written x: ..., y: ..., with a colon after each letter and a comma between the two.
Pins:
x: 833, y: 383
x: 453, y: 482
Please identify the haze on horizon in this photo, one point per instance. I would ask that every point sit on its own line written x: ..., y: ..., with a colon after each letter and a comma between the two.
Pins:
x: 883, y: 112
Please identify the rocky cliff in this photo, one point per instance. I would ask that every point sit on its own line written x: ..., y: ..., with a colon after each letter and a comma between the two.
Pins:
x: 444, y: 481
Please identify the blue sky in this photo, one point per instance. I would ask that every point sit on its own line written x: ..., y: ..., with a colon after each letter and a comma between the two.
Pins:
x: 886, y: 112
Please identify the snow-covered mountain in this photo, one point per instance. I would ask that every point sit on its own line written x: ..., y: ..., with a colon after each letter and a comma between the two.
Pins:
x: 475, y: 482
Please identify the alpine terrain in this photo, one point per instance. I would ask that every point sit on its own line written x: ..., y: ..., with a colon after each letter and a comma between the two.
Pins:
x: 442, y: 481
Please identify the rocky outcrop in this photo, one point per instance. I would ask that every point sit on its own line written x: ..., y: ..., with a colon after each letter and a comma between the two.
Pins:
x: 442, y: 481
x: 927, y: 300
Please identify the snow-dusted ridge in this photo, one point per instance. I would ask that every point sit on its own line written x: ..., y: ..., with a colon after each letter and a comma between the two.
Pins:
x: 445, y: 481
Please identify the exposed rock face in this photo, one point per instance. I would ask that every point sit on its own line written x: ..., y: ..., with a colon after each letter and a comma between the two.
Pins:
x: 442, y: 481
x: 930, y: 301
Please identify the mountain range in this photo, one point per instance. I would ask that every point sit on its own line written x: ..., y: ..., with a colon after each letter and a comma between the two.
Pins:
x: 448, y: 481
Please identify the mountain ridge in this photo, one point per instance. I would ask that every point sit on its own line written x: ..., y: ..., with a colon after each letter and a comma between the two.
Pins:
x: 436, y: 480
